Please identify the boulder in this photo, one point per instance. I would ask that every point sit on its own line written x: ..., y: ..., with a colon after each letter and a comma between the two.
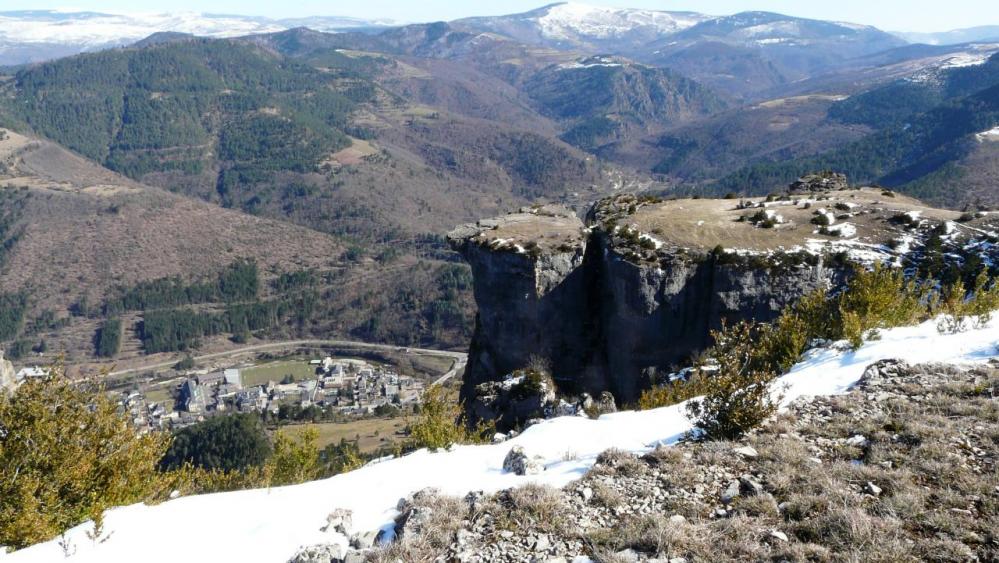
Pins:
x: 522, y: 396
x: 731, y: 492
x: 605, y: 403
x: 882, y: 370
x: 519, y: 462
x: 414, y: 512
x: 340, y: 521
x: 364, y: 540
x: 749, y: 486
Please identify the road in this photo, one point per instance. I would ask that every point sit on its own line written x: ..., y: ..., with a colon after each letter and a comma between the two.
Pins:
x: 459, y: 364
x: 459, y: 357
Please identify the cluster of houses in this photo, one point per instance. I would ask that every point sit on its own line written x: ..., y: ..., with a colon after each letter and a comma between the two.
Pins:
x: 150, y: 415
x: 356, y: 387
x: 350, y: 387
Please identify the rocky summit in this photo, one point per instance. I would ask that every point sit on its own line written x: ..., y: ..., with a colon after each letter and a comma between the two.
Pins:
x: 614, y: 301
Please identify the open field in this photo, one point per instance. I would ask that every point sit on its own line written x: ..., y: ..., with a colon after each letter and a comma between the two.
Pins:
x: 355, y: 153
x: 299, y: 370
x: 370, y: 433
x: 160, y: 395
x: 703, y: 223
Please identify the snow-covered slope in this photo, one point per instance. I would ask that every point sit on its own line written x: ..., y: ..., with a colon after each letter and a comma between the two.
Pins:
x: 569, y: 20
x: 96, y: 30
x: 576, y: 25
x: 269, y: 525
x: 33, y: 35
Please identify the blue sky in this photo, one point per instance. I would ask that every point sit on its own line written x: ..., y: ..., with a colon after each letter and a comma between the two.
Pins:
x: 893, y: 15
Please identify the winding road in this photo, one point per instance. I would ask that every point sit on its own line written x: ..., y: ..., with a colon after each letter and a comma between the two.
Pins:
x: 460, y: 358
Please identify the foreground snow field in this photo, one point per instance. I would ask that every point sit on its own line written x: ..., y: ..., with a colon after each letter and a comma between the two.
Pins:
x: 269, y: 525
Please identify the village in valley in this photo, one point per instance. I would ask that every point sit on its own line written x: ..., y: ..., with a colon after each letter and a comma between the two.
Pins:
x: 340, y: 389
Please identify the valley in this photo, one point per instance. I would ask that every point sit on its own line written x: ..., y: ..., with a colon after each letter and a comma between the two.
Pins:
x: 336, y: 162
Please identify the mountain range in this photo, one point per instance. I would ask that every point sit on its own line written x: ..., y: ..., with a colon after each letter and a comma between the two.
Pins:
x: 35, y: 35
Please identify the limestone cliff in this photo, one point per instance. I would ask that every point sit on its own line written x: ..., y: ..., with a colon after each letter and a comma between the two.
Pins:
x: 529, y: 294
x: 7, y: 382
x: 637, y: 288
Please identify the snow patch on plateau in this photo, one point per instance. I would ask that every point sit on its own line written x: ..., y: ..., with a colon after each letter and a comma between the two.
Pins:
x: 781, y: 29
x: 964, y: 59
x: 989, y: 135
x: 844, y: 230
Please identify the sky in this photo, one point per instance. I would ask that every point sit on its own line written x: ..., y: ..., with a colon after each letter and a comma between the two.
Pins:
x: 891, y: 15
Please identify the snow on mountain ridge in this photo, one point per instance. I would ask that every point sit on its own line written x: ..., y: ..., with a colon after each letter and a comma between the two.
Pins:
x: 93, y: 30
x: 562, y: 21
x: 779, y: 29
x: 106, y: 29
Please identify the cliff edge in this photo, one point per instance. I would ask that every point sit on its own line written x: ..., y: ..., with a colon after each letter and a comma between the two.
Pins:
x: 613, y: 302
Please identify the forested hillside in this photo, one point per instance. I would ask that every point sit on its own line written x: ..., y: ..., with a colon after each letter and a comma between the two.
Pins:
x: 97, y: 266
x: 211, y: 110
x: 620, y: 99
x: 307, y: 136
x: 921, y: 153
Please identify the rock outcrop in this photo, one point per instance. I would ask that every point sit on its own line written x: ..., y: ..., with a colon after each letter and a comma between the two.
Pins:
x: 514, y: 401
x: 529, y: 287
x: 7, y: 377
x: 821, y: 182
x: 634, y: 291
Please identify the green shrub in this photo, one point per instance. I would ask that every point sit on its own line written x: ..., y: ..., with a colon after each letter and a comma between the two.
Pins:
x: 738, y: 396
x: 294, y: 461
x: 876, y: 299
x: 67, y: 455
x: 781, y: 343
x: 957, y: 306
x: 341, y: 458
x: 441, y: 424
x: 674, y: 392
x: 821, y: 219
x: 535, y: 382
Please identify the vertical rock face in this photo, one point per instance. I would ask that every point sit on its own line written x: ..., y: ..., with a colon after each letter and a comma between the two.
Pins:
x: 528, y: 286
x: 638, y: 288
x: 7, y: 383
x: 655, y: 316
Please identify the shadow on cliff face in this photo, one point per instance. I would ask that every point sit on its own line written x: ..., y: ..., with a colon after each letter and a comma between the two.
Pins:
x: 607, y: 323
x: 528, y: 308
